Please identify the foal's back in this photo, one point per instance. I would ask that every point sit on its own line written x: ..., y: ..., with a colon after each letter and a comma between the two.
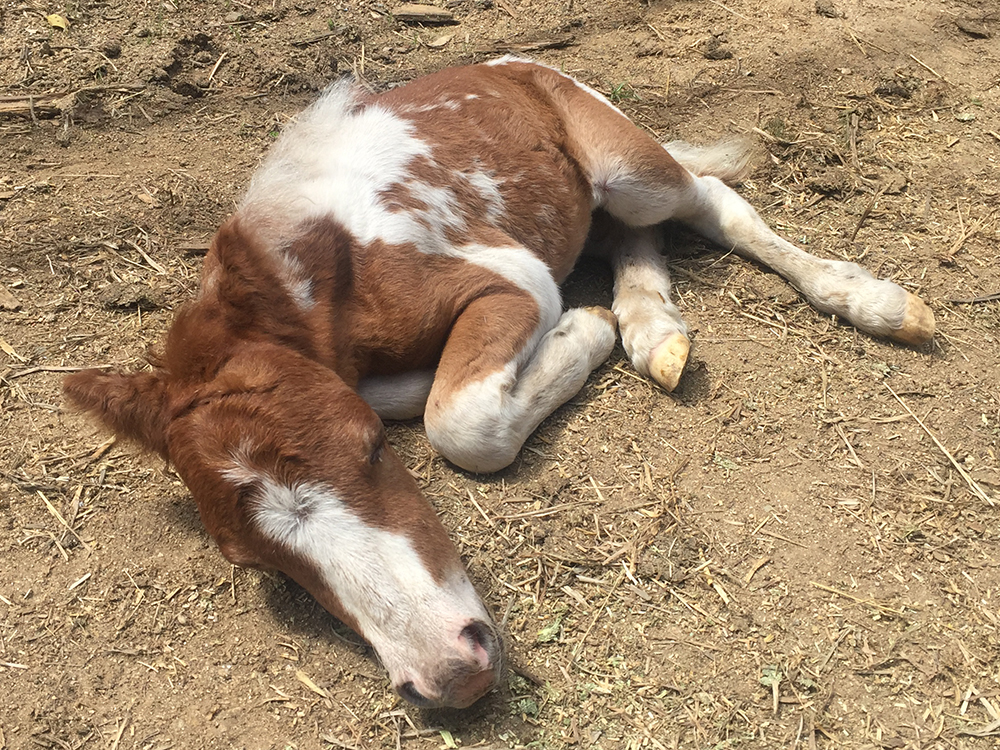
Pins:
x: 467, y: 156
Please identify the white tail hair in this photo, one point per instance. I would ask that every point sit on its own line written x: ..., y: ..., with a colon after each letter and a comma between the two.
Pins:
x: 729, y: 160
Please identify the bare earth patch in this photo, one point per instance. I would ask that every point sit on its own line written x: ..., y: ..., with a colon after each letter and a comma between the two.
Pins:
x: 778, y: 554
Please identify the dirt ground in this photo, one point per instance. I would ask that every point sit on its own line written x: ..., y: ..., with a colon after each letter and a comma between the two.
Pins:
x: 798, y: 548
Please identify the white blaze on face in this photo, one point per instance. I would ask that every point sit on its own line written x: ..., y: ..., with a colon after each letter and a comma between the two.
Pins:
x: 411, y: 620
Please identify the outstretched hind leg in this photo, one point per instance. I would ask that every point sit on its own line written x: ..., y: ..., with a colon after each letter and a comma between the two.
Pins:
x: 635, y: 180
x: 840, y: 288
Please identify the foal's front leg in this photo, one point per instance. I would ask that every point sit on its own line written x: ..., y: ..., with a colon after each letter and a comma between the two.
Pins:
x: 504, y: 369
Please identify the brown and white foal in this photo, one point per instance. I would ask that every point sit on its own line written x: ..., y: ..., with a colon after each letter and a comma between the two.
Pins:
x: 401, y: 254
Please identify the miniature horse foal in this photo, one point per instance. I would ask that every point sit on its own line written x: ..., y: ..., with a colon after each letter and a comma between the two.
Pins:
x: 401, y: 254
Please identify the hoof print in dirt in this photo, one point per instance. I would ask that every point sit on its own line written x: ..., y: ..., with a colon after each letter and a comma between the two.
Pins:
x: 111, y: 49
x: 975, y: 29
x: 827, y: 9
x: 903, y: 88
x: 715, y: 50
x: 894, y: 184
x: 128, y: 297
x: 191, y: 51
x: 829, y: 182
x: 189, y: 86
x: 8, y: 301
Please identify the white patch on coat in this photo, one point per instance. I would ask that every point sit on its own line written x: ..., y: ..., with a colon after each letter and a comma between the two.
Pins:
x: 449, y: 104
x: 339, y: 159
x: 295, y: 280
x: 336, y: 161
x: 508, y: 59
x: 523, y: 269
x: 488, y: 187
x: 442, y: 212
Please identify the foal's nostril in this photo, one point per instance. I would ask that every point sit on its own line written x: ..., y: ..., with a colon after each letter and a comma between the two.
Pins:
x: 408, y: 692
x: 481, y: 636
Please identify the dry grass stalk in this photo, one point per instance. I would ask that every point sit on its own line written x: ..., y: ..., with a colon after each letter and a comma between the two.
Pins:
x: 62, y: 521
x: 972, y: 483
x: 593, y: 622
x: 868, y: 602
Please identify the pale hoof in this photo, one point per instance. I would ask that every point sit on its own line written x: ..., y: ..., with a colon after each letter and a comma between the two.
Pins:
x: 605, y: 314
x: 666, y: 362
x: 918, y: 323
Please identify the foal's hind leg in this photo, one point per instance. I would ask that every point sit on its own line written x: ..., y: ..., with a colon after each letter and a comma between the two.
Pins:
x: 653, y: 333
x: 837, y: 287
x: 637, y: 181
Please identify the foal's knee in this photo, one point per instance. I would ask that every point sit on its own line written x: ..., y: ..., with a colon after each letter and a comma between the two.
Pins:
x: 472, y: 430
x: 482, y: 447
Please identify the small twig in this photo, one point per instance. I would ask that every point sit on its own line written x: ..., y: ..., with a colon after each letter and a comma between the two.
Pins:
x: 317, y: 38
x: 832, y: 651
x: 692, y: 607
x: 329, y: 738
x: 928, y: 67
x: 511, y: 11
x: 725, y: 7
x: 519, y: 669
x: 973, y: 484
x: 992, y: 297
x: 990, y: 730
x: 843, y: 436
x: 33, y: 370
x: 593, y: 622
x: 965, y: 234
x: 758, y: 564
x: 58, y: 516
x: 482, y: 512
x: 856, y: 40
x: 600, y: 495
x: 216, y: 66
x: 773, y: 535
x: 855, y: 121
x: 865, y: 213
x: 153, y: 264
x: 121, y: 731
x: 859, y: 600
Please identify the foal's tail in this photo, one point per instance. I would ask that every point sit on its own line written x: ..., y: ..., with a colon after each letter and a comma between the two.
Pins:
x: 728, y: 160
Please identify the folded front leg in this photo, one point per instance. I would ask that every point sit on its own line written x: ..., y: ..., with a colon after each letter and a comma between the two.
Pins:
x: 502, y: 373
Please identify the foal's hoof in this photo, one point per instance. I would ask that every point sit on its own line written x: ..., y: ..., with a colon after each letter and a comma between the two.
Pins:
x: 605, y: 314
x: 918, y: 323
x: 666, y: 362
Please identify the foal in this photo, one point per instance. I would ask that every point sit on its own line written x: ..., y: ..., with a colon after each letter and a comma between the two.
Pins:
x: 401, y: 254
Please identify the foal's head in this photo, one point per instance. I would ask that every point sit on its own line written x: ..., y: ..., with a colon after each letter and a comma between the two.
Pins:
x: 291, y: 470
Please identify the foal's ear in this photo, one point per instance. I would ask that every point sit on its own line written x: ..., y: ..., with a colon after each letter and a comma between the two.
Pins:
x: 132, y: 405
